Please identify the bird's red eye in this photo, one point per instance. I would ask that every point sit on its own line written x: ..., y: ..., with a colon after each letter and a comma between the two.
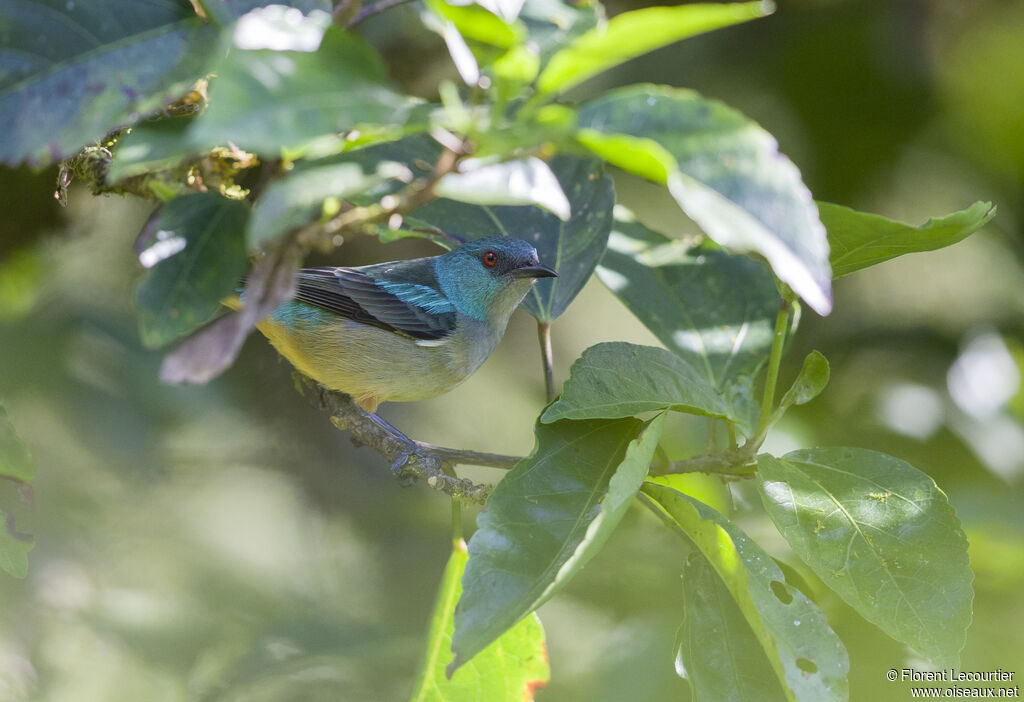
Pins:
x: 490, y: 258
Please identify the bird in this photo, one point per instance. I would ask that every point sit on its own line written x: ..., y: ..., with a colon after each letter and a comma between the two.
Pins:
x: 406, y: 330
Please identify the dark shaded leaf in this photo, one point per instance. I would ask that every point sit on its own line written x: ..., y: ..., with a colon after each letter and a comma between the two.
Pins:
x: 328, y: 81
x: 882, y: 535
x: 546, y: 519
x: 807, y: 657
x: 75, y: 71
x: 714, y: 309
x: 716, y: 649
x: 617, y: 379
x: 508, y: 670
x: 196, y: 253
x: 858, y: 239
x: 573, y: 248
x: 725, y: 172
x: 631, y: 34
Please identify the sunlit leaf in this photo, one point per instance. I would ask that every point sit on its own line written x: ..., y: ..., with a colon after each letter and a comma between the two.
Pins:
x: 195, y: 250
x: 714, y: 309
x: 725, y: 172
x: 265, y: 100
x: 858, y: 239
x: 634, y: 33
x: 475, y: 22
x: 810, y: 382
x: 525, y: 182
x: 716, y: 649
x: 549, y: 516
x: 617, y: 379
x: 805, y: 654
x: 553, y: 24
x: 298, y: 198
x: 508, y: 670
x: 882, y: 535
x: 74, y: 71
x: 15, y: 460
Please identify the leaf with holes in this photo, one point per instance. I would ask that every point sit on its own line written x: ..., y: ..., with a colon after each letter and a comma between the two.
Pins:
x: 858, y: 239
x: 715, y: 309
x: 631, y: 34
x: 546, y: 519
x: 723, y: 170
x: 805, y: 654
x: 195, y: 249
x: 716, y: 650
x: 573, y: 248
x: 617, y: 379
x: 508, y: 670
x: 882, y: 535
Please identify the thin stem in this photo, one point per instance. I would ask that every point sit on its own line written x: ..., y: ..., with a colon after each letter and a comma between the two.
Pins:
x: 374, y: 9
x: 778, y: 341
x: 547, y: 358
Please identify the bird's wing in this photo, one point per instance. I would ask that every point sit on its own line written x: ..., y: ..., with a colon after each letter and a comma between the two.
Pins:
x: 415, y: 309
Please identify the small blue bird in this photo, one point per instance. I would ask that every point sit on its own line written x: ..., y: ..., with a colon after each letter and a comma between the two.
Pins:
x: 404, y: 330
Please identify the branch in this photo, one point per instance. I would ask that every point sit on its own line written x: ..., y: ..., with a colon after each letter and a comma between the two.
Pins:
x: 735, y: 463
x: 410, y: 460
x: 374, y: 9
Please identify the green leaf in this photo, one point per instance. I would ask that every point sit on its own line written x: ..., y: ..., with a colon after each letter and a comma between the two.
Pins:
x: 474, y: 22
x: 723, y: 170
x: 327, y: 81
x: 716, y: 649
x: 152, y: 146
x: 882, y: 535
x: 508, y: 670
x: 15, y: 460
x: 632, y: 34
x: 858, y: 239
x: 14, y: 548
x: 195, y: 246
x: 549, y: 516
x: 573, y: 248
x: 75, y: 71
x: 809, y: 383
x: 528, y: 181
x: 617, y: 379
x: 806, y: 655
x: 714, y: 309
x: 553, y: 24
x: 299, y: 197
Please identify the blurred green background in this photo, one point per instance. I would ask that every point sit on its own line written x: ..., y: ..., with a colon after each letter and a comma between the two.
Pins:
x: 226, y: 543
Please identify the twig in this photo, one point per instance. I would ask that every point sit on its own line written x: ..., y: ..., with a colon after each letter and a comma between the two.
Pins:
x: 410, y: 460
x: 547, y: 358
x: 374, y: 9
x: 738, y: 463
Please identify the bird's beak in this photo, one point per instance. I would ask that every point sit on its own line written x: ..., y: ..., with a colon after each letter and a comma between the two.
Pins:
x: 537, y: 271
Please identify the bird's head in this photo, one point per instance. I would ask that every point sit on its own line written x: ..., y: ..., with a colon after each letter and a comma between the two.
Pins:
x: 487, y: 278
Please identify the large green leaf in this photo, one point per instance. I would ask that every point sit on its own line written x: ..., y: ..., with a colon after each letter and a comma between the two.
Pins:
x: 617, y: 379
x: 806, y: 655
x: 323, y: 82
x: 573, y: 248
x: 15, y: 461
x: 508, y: 670
x: 858, y: 239
x: 546, y: 519
x: 882, y: 535
x: 716, y: 649
x: 527, y: 181
x: 195, y: 247
x: 151, y: 146
x: 714, y: 309
x: 74, y: 71
x: 725, y: 172
x: 631, y: 34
